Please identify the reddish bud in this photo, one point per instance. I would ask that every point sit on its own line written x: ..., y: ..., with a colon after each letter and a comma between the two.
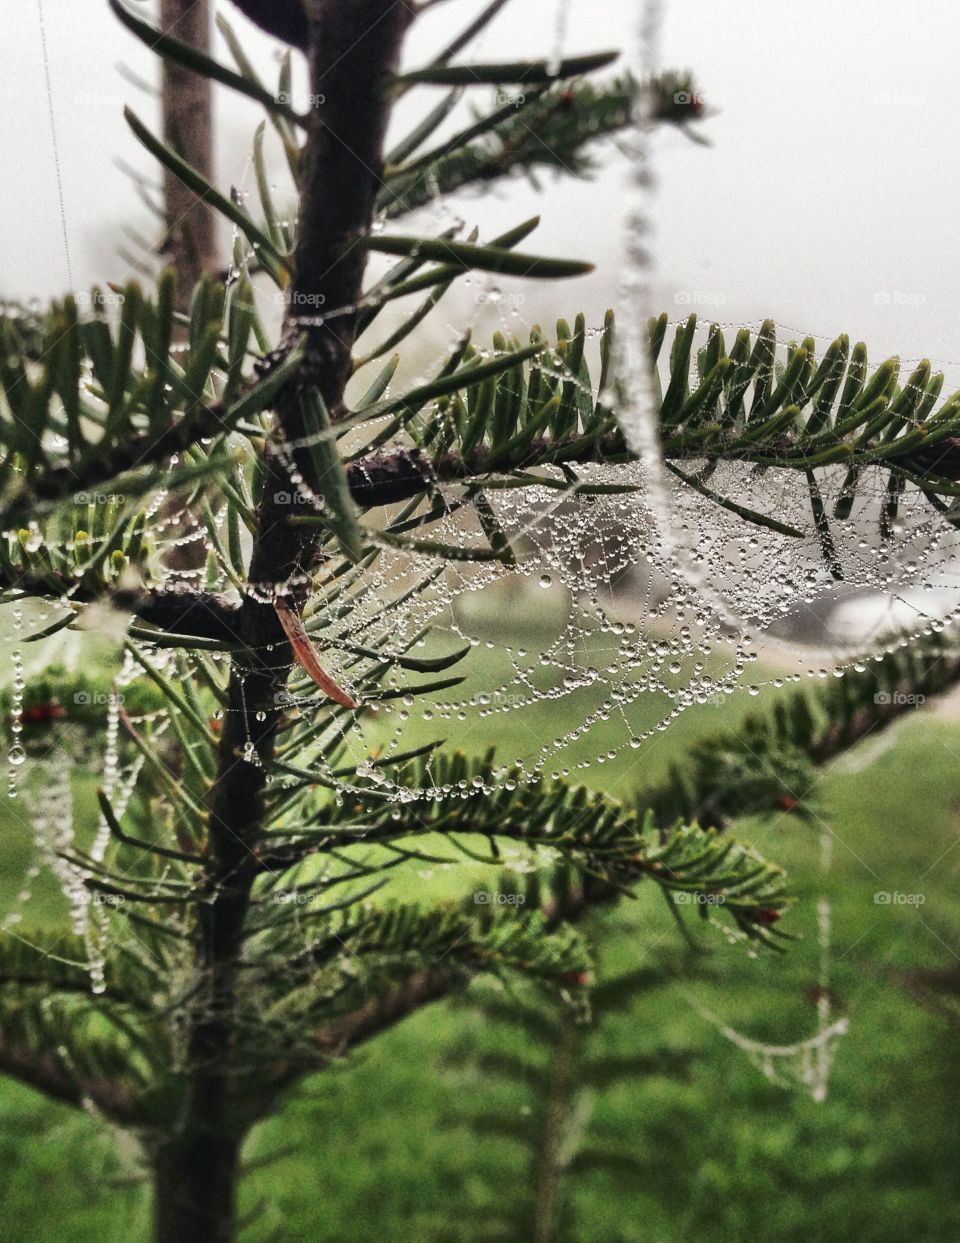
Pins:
x: 42, y: 714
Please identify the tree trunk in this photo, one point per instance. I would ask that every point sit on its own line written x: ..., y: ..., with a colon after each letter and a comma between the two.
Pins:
x: 190, y: 240
x: 549, y: 1173
x: 190, y: 244
x: 354, y: 47
x: 194, y: 1189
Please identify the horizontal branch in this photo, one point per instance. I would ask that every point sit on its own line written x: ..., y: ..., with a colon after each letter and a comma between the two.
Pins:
x: 933, y: 675
x: 199, y: 614
x: 175, y: 610
x: 388, y: 477
x: 543, y: 128
x: 107, y: 463
x: 338, y: 1036
x: 347, y: 1031
x: 894, y: 699
x: 47, y: 1074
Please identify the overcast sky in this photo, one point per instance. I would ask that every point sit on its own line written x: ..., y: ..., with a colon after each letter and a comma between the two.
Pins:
x: 826, y: 201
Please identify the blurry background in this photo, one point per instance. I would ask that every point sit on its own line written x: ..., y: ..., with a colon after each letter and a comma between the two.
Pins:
x: 825, y: 202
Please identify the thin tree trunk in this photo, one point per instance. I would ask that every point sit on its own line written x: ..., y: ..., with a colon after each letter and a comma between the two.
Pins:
x: 190, y: 244
x: 190, y: 241
x: 194, y: 1190
x: 549, y: 1174
x: 354, y: 46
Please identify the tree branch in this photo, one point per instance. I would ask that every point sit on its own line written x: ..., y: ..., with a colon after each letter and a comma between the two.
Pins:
x: 939, y: 675
x: 107, y: 464
x: 379, y: 1013
x: 388, y: 477
x: 181, y: 610
x: 176, y: 610
x: 48, y: 1075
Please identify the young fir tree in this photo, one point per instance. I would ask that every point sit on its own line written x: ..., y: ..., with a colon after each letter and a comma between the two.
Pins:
x: 544, y: 1080
x: 233, y: 948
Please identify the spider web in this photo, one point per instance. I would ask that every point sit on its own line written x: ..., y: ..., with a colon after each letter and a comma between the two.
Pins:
x: 654, y: 596
x: 803, y: 1065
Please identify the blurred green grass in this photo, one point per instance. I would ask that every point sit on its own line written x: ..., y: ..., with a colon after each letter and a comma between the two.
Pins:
x: 370, y: 1154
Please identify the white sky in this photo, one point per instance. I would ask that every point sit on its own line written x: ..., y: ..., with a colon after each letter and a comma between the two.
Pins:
x: 826, y: 200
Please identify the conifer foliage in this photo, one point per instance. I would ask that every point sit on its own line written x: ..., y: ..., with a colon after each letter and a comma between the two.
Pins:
x: 233, y: 928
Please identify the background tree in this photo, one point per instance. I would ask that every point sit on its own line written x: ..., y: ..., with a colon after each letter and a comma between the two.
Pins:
x: 186, y: 98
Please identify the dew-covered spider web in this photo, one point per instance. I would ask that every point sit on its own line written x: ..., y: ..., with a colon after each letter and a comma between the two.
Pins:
x: 594, y: 602
x: 802, y: 1065
x: 648, y: 594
